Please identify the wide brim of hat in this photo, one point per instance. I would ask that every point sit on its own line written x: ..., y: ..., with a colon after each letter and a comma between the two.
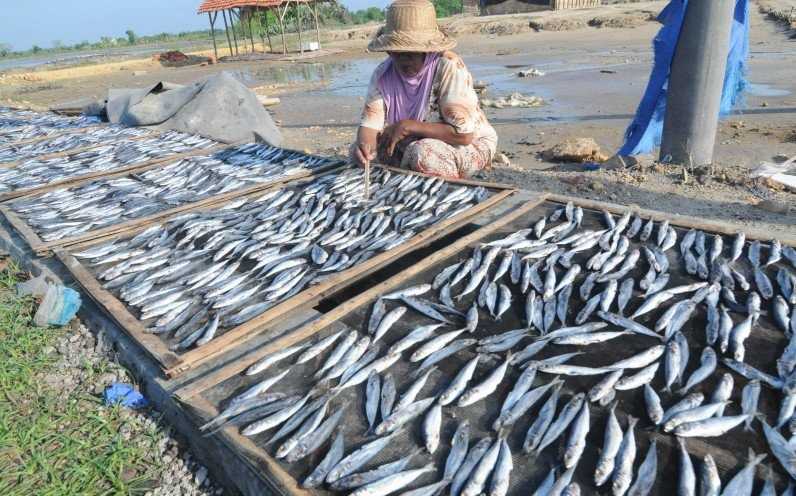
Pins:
x: 412, y: 42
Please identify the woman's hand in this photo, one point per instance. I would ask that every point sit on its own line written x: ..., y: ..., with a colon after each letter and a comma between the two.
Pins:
x: 363, y: 151
x: 396, y: 133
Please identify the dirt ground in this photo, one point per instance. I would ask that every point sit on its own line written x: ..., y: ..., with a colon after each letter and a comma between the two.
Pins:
x: 596, y: 66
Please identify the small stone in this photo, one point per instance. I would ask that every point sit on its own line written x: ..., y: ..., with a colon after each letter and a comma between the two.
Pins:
x: 139, y: 73
x: 596, y: 186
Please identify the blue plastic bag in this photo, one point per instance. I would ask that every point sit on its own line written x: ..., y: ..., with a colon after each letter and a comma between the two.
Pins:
x: 126, y: 395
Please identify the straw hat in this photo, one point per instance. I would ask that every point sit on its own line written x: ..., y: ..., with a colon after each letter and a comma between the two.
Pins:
x: 411, y: 27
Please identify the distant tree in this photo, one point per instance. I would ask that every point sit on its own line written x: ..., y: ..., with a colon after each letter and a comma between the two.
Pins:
x: 58, y: 44
x: 132, y: 38
x: 5, y: 49
x: 35, y: 49
x: 447, y: 8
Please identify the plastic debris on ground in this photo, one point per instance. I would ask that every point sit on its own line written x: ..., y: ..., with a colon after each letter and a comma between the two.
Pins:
x: 125, y: 395
x: 59, y: 304
x: 515, y: 100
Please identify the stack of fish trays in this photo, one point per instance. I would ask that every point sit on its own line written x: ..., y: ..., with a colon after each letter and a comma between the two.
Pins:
x: 118, y: 153
x: 73, y: 211
x: 572, y: 353
x: 18, y: 125
x: 198, y: 275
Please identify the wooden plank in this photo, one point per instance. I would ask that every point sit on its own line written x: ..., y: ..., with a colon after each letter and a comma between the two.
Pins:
x: 31, y: 238
x: 150, y: 219
x: 151, y: 344
x: 329, y: 318
x: 245, y: 332
x: 109, y: 174
x: 726, y: 228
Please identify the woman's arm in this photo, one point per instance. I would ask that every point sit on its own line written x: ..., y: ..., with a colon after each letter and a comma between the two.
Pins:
x: 364, y: 149
x: 414, y: 129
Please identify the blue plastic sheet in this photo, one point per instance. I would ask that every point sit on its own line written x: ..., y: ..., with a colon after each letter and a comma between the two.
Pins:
x: 126, y: 395
x: 644, y: 133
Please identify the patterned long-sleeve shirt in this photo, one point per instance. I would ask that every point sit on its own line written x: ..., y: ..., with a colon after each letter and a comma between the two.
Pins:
x: 453, y: 101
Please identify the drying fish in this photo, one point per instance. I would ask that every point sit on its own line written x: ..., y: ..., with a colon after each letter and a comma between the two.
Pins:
x: 625, y: 457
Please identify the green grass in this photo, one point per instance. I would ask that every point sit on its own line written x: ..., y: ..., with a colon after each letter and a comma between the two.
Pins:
x: 53, y: 442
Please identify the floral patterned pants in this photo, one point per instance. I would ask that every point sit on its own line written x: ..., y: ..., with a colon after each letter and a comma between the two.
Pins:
x: 437, y: 158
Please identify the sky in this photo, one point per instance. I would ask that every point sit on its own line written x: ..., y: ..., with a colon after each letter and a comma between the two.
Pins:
x: 40, y: 22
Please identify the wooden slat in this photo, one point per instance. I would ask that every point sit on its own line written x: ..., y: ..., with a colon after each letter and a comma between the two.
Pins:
x: 109, y: 174
x: 726, y: 228
x: 31, y: 238
x: 151, y: 344
x: 151, y: 219
x: 352, y: 304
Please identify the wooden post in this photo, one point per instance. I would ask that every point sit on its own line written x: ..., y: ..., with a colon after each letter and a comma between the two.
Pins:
x: 267, y: 32
x: 234, y: 35
x: 251, y: 33
x: 213, y: 32
x: 317, y: 29
x: 281, y: 18
x: 298, y: 23
x: 226, y: 30
x: 696, y: 82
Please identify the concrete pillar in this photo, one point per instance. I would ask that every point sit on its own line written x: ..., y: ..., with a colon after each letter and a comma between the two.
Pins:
x: 696, y: 83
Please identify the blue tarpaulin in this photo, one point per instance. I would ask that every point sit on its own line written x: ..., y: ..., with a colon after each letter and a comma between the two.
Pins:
x: 644, y: 133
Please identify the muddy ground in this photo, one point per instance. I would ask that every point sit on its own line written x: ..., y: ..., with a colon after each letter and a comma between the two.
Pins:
x: 594, y: 79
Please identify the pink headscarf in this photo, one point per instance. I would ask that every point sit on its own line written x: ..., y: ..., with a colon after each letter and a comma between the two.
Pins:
x: 408, y: 97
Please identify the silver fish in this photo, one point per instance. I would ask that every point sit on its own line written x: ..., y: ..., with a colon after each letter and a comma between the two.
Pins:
x: 388, y: 321
x: 744, y: 480
x: 540, y: 425
x: 372, y: 398
x: 432, y: 425
x: 708, y: 362
x: 576, y: 442
x: 653, y: 403
x: 355, y: 460
x: 486, y: 387
x: 612, y: 440
x: 499, y: 484
x: 605, y: 386
x: 644, y: 376
x: 709, y: 480
x: 400, y: 417
x: 547, y: 484
x: 408, y: 396
x: 712, y: 427
x: 332, y: 458
x: 625, y: 457
x: 475, y: 484
x: 645, y: 479
x: 458, y: 451
x: 466, y: 468
x: 750, y: 397
x: 273, y: 358
x: 565, y: 417
x: 782, y: 449
x: 392, y: 483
